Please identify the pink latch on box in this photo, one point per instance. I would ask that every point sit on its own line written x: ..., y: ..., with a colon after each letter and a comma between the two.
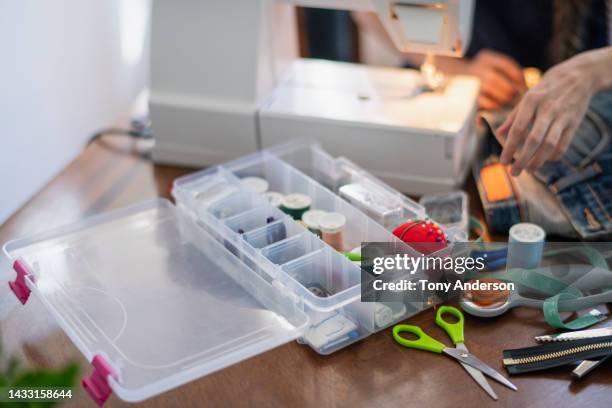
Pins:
x: 96, y: 384
x: 18, y: 286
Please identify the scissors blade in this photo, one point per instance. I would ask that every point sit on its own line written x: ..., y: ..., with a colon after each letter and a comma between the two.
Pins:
x: 476, y: 374
x: 469, y: 359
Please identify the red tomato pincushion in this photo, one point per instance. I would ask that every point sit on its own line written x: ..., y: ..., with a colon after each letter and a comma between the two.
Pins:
x: 424, y: 236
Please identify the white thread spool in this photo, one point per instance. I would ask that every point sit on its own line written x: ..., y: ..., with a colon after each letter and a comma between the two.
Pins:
x: 311, y: 220
x: 256, y: 183
x: 274, y: 198
x: 525, y: 246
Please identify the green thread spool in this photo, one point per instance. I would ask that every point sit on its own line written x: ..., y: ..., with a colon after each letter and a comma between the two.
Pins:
x: 296, y: 205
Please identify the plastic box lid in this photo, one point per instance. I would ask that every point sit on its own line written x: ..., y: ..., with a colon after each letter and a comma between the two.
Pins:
x: 158, y: 297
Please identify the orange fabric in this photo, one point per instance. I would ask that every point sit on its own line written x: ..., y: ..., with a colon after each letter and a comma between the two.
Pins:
x: 496, y: 183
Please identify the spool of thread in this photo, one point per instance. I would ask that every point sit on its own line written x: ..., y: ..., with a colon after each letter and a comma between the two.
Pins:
x: 525, y: 245
x: 332, y: 230
x: 274, y: 198
x: 296, y: 205
x: 257, y: 184
x: 487, y: 298
x: 311, y: 221
x: 424, y: 236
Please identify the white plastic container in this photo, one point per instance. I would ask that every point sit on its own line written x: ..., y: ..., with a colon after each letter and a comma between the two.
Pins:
x: 449, y: 209
x: 164, y: 294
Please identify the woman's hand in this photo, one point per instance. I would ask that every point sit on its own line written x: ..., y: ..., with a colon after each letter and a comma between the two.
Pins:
x: 542, y: 125
x: 501, y: 79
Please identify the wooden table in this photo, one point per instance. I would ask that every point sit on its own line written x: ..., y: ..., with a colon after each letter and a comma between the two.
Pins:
x: 373, y: 372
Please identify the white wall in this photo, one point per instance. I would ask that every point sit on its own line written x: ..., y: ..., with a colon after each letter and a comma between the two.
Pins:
x: 67, y: 68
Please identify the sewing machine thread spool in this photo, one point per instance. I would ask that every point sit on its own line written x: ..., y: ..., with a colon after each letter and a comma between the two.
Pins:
x: 487, y: 297
x: 332, y: 228
x: 296, y: 205
x: 257, y: 184
x: 525, y: 246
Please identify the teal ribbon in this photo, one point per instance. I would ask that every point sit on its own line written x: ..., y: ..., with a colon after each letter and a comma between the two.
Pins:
x: 553, y: 318
x: 558, y: 290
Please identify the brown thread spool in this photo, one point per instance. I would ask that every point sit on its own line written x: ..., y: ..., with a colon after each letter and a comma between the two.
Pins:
x: 332, y: 230
x: 488, y: 298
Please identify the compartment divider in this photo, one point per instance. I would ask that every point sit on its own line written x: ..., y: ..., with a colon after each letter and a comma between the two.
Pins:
x: 284, y: 241
x: 249, y: 220
x: 238, y: 201
x: 300, y: 258
x: 292, y: 229
x: 292, y: 248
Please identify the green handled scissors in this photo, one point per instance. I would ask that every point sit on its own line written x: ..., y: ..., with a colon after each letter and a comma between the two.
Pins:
x: 472, y: 365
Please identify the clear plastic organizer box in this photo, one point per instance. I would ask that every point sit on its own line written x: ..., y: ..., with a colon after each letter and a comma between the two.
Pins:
x: 156, y: 295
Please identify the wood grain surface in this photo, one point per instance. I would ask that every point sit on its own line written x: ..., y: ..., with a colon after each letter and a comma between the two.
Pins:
x: 373, y: 372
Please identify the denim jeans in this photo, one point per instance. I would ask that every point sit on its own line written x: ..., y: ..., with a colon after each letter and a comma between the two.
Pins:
x: 581, y: 184
x: 582, y: 179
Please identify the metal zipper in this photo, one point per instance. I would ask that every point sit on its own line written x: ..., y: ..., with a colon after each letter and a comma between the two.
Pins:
x: 556, y: 354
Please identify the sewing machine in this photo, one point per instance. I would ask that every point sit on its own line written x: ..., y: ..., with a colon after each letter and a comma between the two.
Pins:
x: 226, y: 80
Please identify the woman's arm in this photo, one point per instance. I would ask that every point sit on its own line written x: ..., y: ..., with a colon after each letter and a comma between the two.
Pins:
x: 542, y: 125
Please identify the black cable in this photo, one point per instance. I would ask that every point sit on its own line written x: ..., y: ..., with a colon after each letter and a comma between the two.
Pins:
x: 140, y: 129
x: 118, y: 132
